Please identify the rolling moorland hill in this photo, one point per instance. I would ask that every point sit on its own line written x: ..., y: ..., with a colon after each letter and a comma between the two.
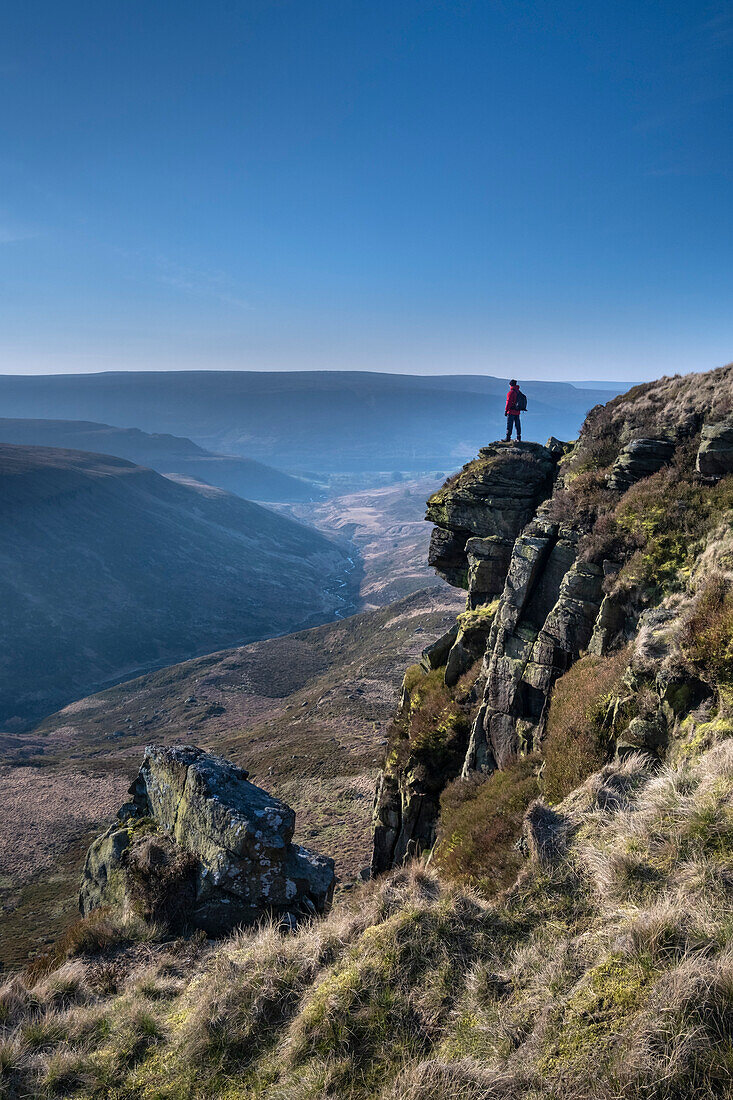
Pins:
x: 570, y: 937
x: 168, y: 454
x: 107, y: 568
x: 305, y: 713
x: 318, y: 420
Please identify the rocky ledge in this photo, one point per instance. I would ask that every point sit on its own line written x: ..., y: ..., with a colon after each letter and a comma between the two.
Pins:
x: 199, y: 846
x: 479, y: 512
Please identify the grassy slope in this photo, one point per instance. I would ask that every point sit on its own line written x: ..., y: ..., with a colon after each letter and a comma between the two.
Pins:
x: 615, y: 953
x: 305, y: 713
x: 604, y: 972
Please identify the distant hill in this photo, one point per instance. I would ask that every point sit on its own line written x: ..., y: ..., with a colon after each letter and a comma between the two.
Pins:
x: 108, y: 568
x: 319, y: 420
x: 169, y: 454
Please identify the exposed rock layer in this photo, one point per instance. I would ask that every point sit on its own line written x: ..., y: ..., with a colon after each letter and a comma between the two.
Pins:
x: 488, y: 502
x: 715, y: 456
x: 639, y: 459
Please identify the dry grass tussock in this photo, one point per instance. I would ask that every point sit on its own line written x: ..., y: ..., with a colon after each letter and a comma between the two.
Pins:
x: 616, y: 954
x: 674, y: 408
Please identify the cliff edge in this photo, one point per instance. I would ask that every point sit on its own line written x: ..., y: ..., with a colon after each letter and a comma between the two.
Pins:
x: 564, y: 550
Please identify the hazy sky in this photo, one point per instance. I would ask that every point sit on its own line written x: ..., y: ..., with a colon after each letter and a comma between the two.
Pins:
x: 415, y: 185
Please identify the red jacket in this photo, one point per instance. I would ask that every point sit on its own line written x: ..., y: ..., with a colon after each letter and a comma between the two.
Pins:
x: 511, y: 402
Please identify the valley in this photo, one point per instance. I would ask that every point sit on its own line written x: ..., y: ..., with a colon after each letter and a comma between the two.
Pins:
x: 108, y: 568
x: 387, y: 528
x: 306, y: 714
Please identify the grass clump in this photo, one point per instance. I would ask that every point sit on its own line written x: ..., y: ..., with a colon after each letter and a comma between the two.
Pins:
x: 579, y: 735
x: 707, y: 636
x: 97, y: 934
x: 481, y: 822
x: 594, y: 1015
x: 661, y: 525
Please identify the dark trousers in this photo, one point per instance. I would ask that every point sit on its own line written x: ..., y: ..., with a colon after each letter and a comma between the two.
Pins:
x: 512, y: 421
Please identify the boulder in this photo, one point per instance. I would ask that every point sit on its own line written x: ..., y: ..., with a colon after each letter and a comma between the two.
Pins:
x: 447, y: 555
x: 715, y: 456
x: 557, y: 448
x: 638, y: 460
x: 200, y: 846
x: 435, y: 655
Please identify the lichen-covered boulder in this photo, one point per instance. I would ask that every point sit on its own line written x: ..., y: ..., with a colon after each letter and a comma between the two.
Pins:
x: 221, y: 845
x: 715, y: 456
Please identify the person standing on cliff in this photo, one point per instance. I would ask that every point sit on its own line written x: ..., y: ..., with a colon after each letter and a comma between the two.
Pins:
x: 512, y: 410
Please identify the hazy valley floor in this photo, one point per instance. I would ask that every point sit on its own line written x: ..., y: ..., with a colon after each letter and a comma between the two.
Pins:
x: 387, y: 528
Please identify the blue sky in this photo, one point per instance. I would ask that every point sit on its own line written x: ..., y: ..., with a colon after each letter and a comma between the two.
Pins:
x: 429, y: 186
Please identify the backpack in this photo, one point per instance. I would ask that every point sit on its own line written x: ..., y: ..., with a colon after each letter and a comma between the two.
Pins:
x: 521, y: 402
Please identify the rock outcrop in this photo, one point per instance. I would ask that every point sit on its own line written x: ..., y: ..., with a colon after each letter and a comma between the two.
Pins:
x: 637, y: 460
x: 559, y: 563
x: 488, y: 503
x: 199, y: 846
x: 548, y: 600
x: 479, y: 514
x: 545, y: 617
x: 715, y: 456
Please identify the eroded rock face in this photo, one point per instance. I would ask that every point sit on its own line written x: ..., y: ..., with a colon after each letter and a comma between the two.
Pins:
x: 222, y: 847
x: 637, y: 460
x: 488, y: 561
x: 715, y: 456
x: 545, y: 617
x: 488, y: 503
